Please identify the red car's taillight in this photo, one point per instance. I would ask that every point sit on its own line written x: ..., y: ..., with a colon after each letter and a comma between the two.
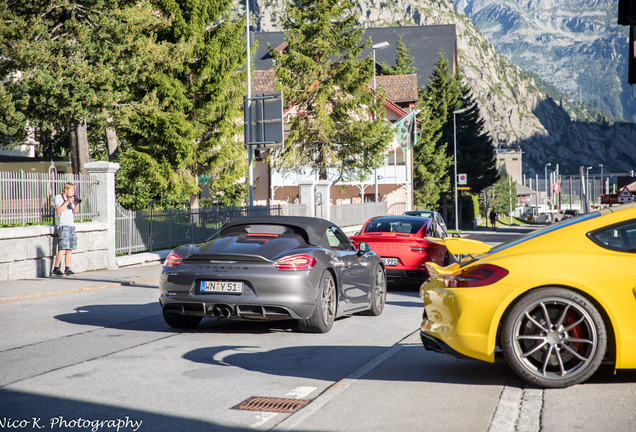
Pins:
x: 477, y: 276
x: 296, y: 262
x: 423, y: 246
x: 421, y: 249
x: 172, y: 260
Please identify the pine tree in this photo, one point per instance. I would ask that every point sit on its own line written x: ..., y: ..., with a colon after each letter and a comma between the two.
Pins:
x: 199, y: 129
x: 441, y: 97
x: 73, y: 63
x: 12, y: 120
x: 403, y: 61
x: 327, y: 88
x: 445, y: 94
x: 475, y: 150
x: 430, y: 162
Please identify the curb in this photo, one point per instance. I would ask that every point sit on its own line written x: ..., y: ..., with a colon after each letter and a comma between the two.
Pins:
x: 76, y: 290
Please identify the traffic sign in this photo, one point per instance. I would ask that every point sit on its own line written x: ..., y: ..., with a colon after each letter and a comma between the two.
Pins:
x: 463, y: 188
x: 609, y: 199
x: 265, y: 129
x: 625, y: 196
x: 462, y: 179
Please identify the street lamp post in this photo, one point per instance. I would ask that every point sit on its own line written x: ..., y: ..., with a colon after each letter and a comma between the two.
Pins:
x: 374, y: 47
x: 248, y: 128
x: 461, y: 111
x: 547, y: 196
x: 603, y: 191
x: 587, y: 187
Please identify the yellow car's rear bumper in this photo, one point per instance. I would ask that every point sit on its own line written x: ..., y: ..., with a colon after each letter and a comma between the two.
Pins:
x: 461, y: 321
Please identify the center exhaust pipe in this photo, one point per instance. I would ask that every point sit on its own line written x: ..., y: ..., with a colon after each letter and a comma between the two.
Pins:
x: 222, y: 311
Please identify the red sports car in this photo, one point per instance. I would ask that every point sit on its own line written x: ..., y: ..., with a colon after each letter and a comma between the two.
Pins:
x: 402, y: 244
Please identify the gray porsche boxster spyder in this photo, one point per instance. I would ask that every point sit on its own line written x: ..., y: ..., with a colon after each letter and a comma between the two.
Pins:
x: 273, y: 267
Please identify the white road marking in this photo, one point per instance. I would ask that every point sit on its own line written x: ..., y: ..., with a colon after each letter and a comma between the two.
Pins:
x: 337, y: 388
x: 297, y: 393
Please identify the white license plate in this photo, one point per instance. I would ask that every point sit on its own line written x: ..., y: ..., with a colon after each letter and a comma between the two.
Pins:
x: 222, y: 287
x: 390, y: 261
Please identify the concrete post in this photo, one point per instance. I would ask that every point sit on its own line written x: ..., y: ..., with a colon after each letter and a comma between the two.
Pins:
x: 306, y: 196
x: 323, y: 198
x: 104, y: 173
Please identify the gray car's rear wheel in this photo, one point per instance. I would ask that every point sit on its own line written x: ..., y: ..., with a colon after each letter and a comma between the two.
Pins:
x: 181, y: 321
x: 554, y: 337
x: 321, y: 320
x: 378, y: 297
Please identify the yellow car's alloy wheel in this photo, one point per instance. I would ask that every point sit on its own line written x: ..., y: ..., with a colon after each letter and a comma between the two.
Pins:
x: 554, y: 337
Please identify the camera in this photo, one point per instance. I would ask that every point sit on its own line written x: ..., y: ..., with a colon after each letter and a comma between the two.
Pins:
x: 77, y: 200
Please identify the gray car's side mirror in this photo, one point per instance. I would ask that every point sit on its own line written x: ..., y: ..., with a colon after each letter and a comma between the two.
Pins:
x: 364, y: 247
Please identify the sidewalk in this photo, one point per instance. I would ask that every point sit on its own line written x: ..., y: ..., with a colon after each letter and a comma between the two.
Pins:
x: 23, y: 289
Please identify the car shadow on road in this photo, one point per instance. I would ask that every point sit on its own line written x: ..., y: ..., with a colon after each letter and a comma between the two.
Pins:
x: 30, y: 411
x: 147, y: 317
x: 136, y: 317
x: 606, y: 374
x: 410, y: 364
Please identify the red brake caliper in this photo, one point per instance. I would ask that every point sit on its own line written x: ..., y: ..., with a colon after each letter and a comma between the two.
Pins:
x: 576, y: 331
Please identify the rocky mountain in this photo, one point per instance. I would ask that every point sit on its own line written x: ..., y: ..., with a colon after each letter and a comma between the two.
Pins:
x: 516, y: 111
x: 575, y: 45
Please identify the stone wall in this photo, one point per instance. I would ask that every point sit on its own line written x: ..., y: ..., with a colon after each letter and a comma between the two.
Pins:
x: 28, y: 252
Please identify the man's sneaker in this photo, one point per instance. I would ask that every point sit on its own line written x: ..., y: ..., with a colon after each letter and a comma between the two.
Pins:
x: 57, y: 272
x: 69, y: 272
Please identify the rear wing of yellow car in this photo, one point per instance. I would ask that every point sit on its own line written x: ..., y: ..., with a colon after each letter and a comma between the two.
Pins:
x: 462, y: 246
x: 459, y: 247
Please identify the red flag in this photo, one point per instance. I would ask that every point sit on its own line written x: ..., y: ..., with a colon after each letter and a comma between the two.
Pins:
x: 556, y: 187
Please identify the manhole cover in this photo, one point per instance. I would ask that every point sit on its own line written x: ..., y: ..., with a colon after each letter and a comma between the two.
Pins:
x: 271, y: 404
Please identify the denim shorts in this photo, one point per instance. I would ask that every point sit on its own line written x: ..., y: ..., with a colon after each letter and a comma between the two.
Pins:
x: 67, y: 240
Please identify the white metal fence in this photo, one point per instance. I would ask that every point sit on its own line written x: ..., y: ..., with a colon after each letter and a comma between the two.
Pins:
x: 151, y: 230
x: 356, y: 214
x: 27, y: 198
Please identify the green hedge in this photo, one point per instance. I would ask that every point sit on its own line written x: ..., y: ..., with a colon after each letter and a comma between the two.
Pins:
x: 470, y: 207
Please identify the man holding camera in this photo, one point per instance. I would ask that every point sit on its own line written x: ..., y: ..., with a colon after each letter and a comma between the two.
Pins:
x: 66, y: 207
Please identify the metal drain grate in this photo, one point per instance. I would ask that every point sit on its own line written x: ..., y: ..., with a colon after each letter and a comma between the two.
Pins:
x: 271, y: 404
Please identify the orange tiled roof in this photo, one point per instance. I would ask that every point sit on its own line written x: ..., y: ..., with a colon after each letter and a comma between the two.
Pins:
x: 398, y: 88
x: 263, y: 81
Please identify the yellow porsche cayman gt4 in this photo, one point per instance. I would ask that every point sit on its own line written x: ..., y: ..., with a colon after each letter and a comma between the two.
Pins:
x: 558, y: 301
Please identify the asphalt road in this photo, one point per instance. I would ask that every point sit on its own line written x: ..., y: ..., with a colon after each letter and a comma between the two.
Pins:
x: 98, y: 357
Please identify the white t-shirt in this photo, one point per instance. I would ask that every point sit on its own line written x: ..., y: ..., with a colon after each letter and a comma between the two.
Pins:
x: 66, y: 217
